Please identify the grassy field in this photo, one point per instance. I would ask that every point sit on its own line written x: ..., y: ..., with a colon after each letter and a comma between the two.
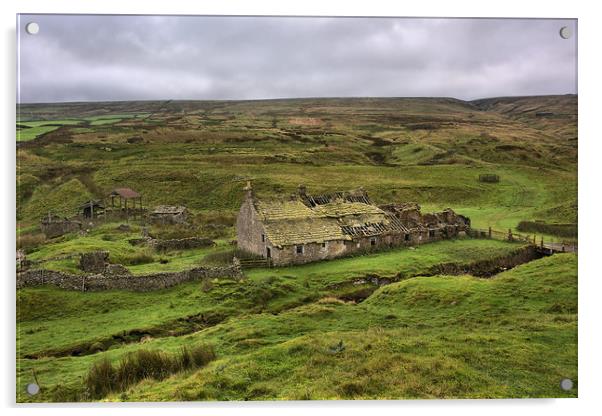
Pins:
x: 424, y: 337
x: 294, y: 333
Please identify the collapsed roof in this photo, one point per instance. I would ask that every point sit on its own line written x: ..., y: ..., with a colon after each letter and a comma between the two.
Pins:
x: 337, y: 216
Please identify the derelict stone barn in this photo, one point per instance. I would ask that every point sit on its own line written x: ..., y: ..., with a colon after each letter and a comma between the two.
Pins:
x: 307, y: 228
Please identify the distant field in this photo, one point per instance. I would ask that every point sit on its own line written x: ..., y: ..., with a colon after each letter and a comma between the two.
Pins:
x: 200, y: 154
x: 29, y: 130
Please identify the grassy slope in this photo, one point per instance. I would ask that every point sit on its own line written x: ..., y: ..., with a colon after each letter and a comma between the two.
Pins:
x: 433, y: 337
x: 426, y: 337
x: 65, y: 316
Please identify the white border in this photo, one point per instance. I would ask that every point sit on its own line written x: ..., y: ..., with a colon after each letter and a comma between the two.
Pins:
x: 590, y: 111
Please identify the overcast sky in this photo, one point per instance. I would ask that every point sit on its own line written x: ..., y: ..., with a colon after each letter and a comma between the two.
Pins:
x: 107, y: 58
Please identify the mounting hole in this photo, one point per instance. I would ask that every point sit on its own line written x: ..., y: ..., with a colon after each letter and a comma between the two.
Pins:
x: 565, y: 32
x: 32, y: 28
x: 566, y: 384
x: 32, y: 389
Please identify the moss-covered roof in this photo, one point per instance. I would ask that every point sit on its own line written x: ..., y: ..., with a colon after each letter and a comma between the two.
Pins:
x: 302, y: 231
x: 292, y: 222
x: 283, y: 210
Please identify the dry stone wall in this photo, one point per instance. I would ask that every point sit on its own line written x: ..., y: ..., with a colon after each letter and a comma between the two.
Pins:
x: 181, y: 243
x: 108, y: 281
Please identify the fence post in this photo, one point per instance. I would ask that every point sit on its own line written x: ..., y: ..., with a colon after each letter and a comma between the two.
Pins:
x: 490, y: 232
x: 542, y: 241
x: 509, y: 234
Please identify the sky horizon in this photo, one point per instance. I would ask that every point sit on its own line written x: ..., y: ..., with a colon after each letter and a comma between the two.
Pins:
x: 88, y: 58
x: 294, y: 98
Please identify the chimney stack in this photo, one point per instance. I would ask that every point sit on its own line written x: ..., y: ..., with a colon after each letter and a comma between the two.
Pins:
x: 248, y: 190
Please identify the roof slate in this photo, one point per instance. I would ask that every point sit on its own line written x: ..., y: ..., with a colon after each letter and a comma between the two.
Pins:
x: 341, y: 209
x: 303, y: 231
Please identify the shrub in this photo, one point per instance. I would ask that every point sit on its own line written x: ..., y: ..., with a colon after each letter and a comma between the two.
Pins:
x: 219, y: 258
x: 108, y: 237
x: 103, y: 378
x: 561, y: 230
x: 143, y: 257
x: 203, y: 354
x: 489, y: 178
x: 226, y: 257
x: 28, y: 242
x: 352, y: 389
x: 206, y: 285
x: 171, y: 232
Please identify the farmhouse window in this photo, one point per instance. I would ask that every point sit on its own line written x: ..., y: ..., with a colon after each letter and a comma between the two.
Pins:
x: 373, y: 241
x: 263, y: 238
x: 324, y: 244
x: 431, y: 233
x: 299, y: 249
x: 407, y: 237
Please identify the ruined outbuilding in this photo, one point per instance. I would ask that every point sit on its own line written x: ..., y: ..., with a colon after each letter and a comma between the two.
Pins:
x: 306, y: 228
x: 167, y: 214
x: 92, y: 209
x: 53, y: 225
x: 125, y: 198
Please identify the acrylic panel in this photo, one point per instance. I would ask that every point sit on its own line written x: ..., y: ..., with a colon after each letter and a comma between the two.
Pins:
x: 295, y: 208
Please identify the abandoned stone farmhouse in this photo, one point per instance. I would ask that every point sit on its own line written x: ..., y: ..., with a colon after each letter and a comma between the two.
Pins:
x: 306, y: 228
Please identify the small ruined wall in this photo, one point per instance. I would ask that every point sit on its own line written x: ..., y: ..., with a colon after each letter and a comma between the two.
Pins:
x: 181, y: 244
x: 58, y: 228
x: 94, y: 262
x: 142, y: 283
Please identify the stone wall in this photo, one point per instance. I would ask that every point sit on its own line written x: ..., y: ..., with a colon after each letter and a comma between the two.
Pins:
x: 341, y: 248
x: 489, y: 267
x: 311, y: 252
x: 107, y: 281
x: 181, y: 243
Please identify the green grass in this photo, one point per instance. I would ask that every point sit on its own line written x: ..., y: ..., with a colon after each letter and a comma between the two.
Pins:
x: 513, y: 335
x: 427, y: 337
x: 266, y: 289
x: 32, y: 129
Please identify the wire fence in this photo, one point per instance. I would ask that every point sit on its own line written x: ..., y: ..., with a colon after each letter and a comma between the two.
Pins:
x: 540, y: 241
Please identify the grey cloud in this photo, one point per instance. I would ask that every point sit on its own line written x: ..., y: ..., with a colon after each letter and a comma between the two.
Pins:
x: 97, y: 58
